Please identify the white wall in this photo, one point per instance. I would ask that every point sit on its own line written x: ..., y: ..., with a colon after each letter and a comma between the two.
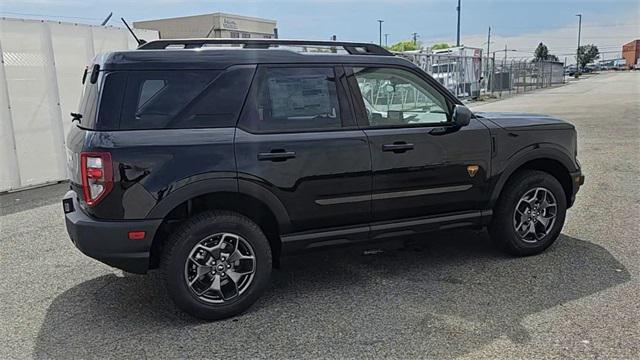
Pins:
x: 40, y: 84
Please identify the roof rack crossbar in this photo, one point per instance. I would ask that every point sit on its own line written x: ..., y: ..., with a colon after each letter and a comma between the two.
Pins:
x: 350, y: 47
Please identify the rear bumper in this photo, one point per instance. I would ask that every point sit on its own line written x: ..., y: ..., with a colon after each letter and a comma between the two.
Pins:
x: 108, y: 241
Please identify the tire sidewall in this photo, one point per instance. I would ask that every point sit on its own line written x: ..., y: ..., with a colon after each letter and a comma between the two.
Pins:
x: 195, y: 232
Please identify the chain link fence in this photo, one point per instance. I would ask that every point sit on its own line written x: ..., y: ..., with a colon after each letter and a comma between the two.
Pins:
x: 469, y: 75
x: 519, y: 76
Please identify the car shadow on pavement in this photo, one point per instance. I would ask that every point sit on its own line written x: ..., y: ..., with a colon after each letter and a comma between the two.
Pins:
x: 442, y: 298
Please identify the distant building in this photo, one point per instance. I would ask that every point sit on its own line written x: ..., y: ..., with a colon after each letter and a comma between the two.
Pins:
x: 631, y: 52
x: 216, y: 25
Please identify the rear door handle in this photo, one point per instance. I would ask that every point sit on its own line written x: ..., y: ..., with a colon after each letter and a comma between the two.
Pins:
x: 276, y: 155
x: 398, y: 147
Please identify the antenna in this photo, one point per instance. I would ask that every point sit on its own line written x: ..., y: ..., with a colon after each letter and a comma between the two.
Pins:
x: 139, y: 41
x: 213, y: 27
x: 106, y: 20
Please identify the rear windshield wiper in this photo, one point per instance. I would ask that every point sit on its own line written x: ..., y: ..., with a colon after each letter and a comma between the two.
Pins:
x: 76, y: 116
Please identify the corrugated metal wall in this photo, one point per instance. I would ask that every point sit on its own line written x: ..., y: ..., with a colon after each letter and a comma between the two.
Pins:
x: 40, y: 84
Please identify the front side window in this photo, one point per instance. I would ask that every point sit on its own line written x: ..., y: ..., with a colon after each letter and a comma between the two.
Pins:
x: 396, y: 97
x: 294, y: 99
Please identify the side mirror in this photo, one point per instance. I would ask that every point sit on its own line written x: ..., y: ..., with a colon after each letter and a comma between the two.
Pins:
x: 461, y: 116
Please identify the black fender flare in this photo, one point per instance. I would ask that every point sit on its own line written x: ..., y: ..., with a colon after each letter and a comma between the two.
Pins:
x: 530, y: 153
x: 222, y: 185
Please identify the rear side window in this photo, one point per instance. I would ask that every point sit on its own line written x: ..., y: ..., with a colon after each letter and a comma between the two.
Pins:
x: 184, y: 98
x: 294, y: 99
x: 88, y: 107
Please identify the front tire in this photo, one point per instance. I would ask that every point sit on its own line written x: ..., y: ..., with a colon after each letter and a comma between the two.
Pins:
x: 530, y: 213
x: 216, y: 265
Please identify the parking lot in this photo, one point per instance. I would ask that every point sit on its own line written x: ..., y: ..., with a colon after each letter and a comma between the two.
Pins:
x: 438, y: 296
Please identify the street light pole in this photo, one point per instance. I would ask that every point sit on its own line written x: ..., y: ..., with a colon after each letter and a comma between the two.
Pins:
x: 458, y: 38
x: 578, y: 49
x: 380, y: 31
x: 386, y: 40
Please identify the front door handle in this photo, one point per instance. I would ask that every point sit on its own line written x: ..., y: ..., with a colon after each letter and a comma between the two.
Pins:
x: 276, y: 155
x: 398, y: 147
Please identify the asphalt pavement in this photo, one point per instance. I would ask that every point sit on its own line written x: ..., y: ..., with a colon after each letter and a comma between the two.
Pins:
x: 448, y: 295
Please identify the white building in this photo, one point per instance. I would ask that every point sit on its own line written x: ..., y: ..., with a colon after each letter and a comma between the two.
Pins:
x: 216, y: 25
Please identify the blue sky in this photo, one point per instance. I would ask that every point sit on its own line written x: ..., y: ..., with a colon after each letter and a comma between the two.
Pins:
x: 606, y: 23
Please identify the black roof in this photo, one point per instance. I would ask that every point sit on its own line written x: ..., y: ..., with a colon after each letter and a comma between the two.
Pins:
x: 196, y: 56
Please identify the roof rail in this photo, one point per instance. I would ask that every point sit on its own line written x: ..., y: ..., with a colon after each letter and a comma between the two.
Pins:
x: 350, y: 47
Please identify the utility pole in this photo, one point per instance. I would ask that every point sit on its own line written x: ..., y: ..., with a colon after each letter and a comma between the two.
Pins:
x: 505, y: 55
x: 386, y: 40
x: 415, y: 38
x: 458, y: 38
x: 488, y: 47
x: 380, y: 31
x: 493, y: 71
x: 578, y: 49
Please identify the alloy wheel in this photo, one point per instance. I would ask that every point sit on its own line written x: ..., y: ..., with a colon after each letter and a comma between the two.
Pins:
x: 535, y: 214
x: 220, y: 267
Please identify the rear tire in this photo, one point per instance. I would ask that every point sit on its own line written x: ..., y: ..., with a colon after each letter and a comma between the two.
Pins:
x: 216, y: 265
x: 530, y: 213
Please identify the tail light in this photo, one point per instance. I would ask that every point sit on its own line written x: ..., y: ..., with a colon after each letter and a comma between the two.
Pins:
x: 97, y: 176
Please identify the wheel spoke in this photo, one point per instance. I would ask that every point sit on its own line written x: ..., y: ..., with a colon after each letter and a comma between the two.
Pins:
x: 213, y: 251
x: 228, y: 245
x: 214, y: 286
x: 524, y: 229
x: 229, y: 285
x: 237, y: 255
x: 531, y: 229
x: 544, y: 221
x: 535, y: 194
x: 200, y: 270
x: 539, y: 235
x: 546, y: 205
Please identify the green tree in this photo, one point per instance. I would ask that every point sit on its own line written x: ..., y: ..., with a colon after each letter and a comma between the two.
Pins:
x: 542, y: 52
x: 405, y: 45
x: 440, y: 46
x: 587, y: 54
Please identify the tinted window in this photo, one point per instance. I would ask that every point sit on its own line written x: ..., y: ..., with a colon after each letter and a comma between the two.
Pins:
x: 294, y: 99
x: 88, y: 107
x: 398, y: 97
x: 184, y: 99
x: 149, y: 89
x: 101, y: 102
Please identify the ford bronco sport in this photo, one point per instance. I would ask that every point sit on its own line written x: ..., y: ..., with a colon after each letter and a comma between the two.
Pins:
x: 210, y: 161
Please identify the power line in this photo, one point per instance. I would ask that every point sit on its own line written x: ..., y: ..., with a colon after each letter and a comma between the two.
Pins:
x: 49, y: 15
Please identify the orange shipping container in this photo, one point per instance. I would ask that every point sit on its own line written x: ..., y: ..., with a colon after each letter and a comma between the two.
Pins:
x: 631, y: 52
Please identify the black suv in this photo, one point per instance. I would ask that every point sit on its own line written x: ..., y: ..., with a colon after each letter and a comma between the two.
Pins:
x: 210, y: 161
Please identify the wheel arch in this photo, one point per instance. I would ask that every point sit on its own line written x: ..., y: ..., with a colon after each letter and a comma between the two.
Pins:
x: 548, y: 159
x: 252, y: 201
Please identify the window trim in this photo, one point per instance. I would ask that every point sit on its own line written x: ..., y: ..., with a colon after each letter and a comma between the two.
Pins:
x: 345, y: 105
x: 360, y: 109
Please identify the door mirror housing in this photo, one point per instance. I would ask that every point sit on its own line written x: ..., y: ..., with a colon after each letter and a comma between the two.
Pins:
x: 461, y: 116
